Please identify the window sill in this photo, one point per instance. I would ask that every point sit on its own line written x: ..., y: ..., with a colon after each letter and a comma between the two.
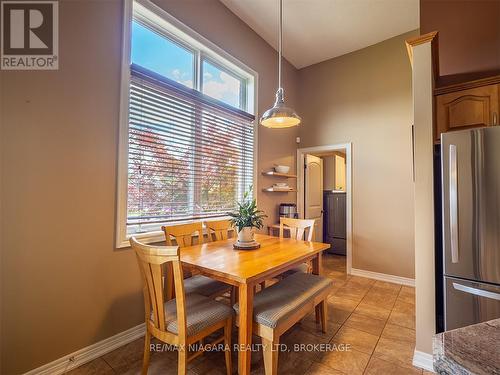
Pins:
x: 147, y: 238
x: 158, y: 235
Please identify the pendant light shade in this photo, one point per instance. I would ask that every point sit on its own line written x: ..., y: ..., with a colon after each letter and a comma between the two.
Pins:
x: 280, y: 116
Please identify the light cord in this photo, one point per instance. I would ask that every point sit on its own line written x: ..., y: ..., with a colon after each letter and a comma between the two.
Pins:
x: 280, y: 41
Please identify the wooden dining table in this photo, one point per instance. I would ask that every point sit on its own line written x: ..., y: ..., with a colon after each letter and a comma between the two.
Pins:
x: 247, y: 268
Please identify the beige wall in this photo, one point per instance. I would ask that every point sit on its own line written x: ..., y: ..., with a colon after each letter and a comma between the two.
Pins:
x: 365, y: 98
x: 64, y: 286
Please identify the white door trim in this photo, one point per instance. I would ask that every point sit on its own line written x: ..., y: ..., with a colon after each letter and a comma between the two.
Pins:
x: 300, y: 187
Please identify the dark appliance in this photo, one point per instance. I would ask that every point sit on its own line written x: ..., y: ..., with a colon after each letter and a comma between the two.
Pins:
x: 288, y: 210
x: 438, y: 239
x: 471, y: 226
x: 334, y: 221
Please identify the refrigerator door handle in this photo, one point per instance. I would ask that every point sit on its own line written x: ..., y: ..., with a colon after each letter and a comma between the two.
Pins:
x: 477, y: 292
x: 453, y: 204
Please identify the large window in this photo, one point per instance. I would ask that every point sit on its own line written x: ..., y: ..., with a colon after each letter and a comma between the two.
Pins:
x: 189, y: 129
x: 161, y: 55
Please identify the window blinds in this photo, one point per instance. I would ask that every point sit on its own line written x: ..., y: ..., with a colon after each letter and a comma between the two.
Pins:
x: 189, y: 156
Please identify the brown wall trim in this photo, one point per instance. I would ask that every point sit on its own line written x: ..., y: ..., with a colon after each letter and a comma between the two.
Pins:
x: 421, y: 39
x: 467, y: 85
x: 432, y: 37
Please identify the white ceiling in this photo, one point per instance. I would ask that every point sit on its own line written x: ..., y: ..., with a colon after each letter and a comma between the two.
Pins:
x: 318, y: 30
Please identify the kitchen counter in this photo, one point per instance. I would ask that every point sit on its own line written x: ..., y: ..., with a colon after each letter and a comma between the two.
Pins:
x: 473, y: 349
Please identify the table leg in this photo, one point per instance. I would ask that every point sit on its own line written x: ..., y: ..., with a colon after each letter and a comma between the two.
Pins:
x: 317, y: 264
x: 245, y: 329
x: 316, y: 270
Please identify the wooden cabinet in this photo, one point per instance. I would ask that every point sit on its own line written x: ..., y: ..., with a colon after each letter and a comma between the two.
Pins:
x: 475, y: 107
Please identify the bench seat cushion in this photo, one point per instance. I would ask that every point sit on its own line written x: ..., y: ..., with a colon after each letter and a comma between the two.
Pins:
x: 205, y: 286
x: 201, y: 312
x: 274, y: 304
x: 304, y: 268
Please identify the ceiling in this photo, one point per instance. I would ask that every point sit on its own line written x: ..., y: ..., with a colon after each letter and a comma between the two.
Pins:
x: 318, y: 30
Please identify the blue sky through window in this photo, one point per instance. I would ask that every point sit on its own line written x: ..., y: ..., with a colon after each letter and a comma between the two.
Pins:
x: 157, y: 53
x: 220, y: 85
x: 160, y: 55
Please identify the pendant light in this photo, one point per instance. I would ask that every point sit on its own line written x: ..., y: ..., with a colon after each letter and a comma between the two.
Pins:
x: 280, y: 116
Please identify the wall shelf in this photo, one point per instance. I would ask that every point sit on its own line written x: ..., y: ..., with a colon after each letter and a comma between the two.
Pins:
x: 278, y: 190
x: 276, y: 174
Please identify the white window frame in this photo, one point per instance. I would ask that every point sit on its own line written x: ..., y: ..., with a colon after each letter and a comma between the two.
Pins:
x: 191, y: 40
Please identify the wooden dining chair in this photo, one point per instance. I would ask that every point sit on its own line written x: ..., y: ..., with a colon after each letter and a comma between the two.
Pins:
x: 184, y: 235
x: 281, y: 305
x: 183, y: 321
x: 218, y: 230
x: 300, y: 229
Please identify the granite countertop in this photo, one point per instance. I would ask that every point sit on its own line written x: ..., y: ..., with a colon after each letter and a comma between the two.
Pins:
x: 473, y: 349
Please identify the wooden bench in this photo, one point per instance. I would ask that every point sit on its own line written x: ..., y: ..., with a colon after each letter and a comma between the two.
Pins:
x: 280, y: 306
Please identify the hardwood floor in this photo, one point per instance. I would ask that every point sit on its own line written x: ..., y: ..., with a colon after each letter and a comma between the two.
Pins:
x: 374, y: 320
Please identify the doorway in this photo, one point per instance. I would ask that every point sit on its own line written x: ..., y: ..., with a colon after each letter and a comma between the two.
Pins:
x: 324, y: 193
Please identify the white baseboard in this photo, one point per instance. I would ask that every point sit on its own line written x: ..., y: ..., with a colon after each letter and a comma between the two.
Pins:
x: 423, y: 360
x: 91, y: 352
x: 383, y: 277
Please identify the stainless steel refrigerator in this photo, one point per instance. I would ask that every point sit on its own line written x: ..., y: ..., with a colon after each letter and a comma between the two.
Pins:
x: 470, y: 162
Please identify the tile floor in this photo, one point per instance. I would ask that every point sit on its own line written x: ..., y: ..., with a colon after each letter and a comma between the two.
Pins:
x: 376, y: 319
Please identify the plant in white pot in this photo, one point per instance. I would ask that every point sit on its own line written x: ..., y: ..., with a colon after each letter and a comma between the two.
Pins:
x: 247, y: 218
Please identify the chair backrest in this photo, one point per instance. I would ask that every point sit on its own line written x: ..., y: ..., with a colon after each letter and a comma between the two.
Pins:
x: 297, y: 228
x: 218, y: 229
x: 151, y: 261
x: 183, y: 234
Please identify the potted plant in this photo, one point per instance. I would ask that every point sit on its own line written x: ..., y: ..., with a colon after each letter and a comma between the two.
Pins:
x: 247, y: 217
